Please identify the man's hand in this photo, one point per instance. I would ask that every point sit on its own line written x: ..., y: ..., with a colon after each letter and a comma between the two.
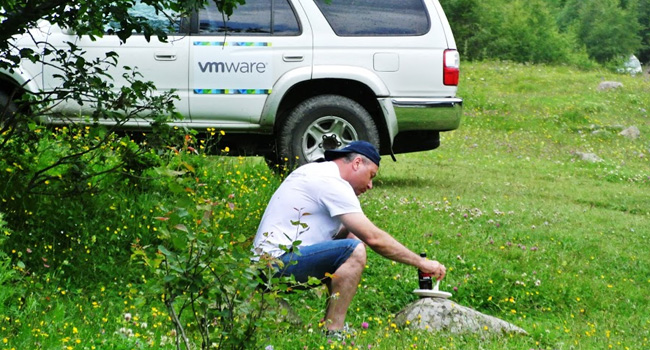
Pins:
x: 433, y: 267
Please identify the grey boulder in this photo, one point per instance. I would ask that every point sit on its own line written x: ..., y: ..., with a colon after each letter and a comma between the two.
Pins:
x: 438, y: 314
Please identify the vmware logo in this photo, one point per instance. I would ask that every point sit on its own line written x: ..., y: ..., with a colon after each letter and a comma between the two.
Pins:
x: 232, y: 67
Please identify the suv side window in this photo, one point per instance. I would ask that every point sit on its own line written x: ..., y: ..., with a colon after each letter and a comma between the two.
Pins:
x: 375, y: 17
x: 255, y: 17
x: 169, y: 21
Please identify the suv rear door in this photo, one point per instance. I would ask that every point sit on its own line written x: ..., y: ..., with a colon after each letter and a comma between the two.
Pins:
x: 402, y: 42
x: 235, y: 63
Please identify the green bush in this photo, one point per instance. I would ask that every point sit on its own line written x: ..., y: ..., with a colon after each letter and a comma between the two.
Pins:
x: 202, y: 263
x: 11, y: 288
x: 607, y: 29
x: 520, y: 31
x: 61, y: 193
x: 571, y: 32
x: 644, y: 21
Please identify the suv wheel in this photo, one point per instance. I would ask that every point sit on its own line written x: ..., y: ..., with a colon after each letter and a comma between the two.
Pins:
x: 323, y: 122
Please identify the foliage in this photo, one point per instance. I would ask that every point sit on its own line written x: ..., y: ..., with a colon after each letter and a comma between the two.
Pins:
x: 644, y: 21
x: 546, y: 31
x: 83, y: 154
x: 85, y: 81
x: 85, y: 239
x: 43, y: 167
x: 71, y: 172
x: 202, y: 266
x: 607, y: 30
x: 522, y: 31
x: 10, y: 283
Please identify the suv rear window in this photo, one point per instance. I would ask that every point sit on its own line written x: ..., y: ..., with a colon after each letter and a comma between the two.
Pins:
x: 375, y: 17
x: 255, y: 17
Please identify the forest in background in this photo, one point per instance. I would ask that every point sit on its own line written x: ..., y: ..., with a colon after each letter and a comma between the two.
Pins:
x: 575, y: 32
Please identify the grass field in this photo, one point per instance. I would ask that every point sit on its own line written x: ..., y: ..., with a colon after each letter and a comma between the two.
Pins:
x: 529, y: 232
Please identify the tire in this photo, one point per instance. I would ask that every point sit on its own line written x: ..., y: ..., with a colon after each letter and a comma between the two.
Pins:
x: 320, y: 123
x: 7, y: 109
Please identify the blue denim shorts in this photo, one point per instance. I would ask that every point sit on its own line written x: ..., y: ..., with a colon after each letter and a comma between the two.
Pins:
x: 318, y: 259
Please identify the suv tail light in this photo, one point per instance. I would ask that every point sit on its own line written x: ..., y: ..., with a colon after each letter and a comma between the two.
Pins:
x: 451, y: 67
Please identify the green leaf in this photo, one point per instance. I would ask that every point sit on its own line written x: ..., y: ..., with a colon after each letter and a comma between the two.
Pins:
x: 182, y: 227
x: 179, y: 241
x: 165, y: 251
x: 313, y: 281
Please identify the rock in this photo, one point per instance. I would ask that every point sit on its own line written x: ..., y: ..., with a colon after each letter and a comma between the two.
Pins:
x: 609, y: 85
x: 589, y: 157
x: 445, y: 315
x: 632, y: 66
x: 631, y: 133
x: 287, y: 313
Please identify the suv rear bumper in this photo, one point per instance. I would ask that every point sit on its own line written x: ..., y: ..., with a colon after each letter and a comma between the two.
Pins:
x: 420, y: 114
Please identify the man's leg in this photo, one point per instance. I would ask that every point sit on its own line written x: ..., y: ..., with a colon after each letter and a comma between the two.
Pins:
x: 343, y: 286
x: 343, y: 258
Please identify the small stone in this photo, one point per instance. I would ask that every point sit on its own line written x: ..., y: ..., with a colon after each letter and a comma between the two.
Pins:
x: 609, y: 85
x: 631, y: 133
x: 589, y: 157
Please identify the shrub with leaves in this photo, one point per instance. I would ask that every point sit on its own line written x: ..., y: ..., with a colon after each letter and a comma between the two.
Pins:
x: 202, y: 262
x: 11, y: 291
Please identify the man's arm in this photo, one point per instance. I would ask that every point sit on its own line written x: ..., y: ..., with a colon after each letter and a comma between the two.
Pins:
x: 344, y: 233
x: 387, y: 246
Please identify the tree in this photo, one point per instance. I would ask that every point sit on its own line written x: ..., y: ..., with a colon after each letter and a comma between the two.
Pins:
x: 521, y: 31
x: 609, y: 29
x: 644, y: 21
x: 464, y: 19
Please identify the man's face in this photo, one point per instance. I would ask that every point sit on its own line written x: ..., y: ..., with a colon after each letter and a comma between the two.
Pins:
x: 364, y: 172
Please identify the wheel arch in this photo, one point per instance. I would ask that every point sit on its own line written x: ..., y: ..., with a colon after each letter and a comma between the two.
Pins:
x: 352, y: 89
x: 17, y: 80
x: 13, y: 86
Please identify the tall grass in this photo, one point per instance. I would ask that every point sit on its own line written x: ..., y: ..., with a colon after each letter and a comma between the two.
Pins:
x: 529, y: 231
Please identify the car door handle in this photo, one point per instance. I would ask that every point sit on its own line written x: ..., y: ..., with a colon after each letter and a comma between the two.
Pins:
x: 165, y: 56
x: 290, y: 58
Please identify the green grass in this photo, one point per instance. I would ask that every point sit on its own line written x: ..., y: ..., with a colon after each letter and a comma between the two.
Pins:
x: 528, y: 231
x: 506, y: 204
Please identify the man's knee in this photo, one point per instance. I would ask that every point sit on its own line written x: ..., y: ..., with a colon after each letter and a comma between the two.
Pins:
x: 359, y: 254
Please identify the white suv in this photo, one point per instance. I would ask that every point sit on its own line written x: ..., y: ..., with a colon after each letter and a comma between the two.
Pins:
x: 290, y: 78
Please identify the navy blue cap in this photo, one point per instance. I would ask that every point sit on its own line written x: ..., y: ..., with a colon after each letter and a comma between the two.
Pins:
x: 361, y: 147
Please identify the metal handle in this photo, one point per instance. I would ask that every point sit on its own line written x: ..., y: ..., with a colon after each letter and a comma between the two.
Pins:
x: 297, y: 58
x: 165, y: 56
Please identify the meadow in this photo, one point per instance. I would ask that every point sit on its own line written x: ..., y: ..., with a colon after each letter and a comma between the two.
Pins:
x: 530, y: 232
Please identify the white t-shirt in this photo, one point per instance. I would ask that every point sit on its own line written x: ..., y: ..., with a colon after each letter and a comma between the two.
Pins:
x: 314, y: 195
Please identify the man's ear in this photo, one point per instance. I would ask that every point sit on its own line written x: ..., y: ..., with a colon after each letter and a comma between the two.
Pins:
x: 357, y: 163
